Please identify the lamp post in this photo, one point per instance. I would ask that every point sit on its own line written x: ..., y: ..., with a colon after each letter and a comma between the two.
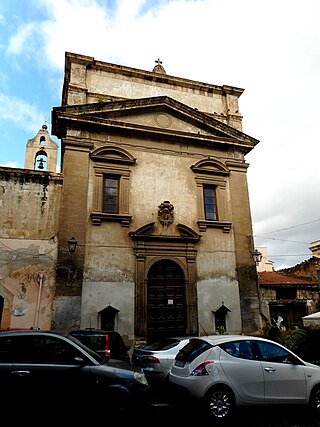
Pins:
x: 72, y: 244
x: 257, y: 257
x: 72, y: 271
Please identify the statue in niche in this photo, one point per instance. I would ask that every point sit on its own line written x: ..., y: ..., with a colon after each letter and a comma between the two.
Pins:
x: 165, y: 213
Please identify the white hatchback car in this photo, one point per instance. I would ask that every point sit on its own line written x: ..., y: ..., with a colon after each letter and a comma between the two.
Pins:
x: 226, y: 371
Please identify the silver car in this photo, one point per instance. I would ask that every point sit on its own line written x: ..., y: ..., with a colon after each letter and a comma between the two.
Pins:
x: 156, y: 358
x: 226, y: 371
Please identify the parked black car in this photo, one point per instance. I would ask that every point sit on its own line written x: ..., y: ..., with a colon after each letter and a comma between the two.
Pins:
x: 46, y: 369
x: 106, y: 343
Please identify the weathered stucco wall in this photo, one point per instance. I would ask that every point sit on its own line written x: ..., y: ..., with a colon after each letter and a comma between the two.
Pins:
x: 66, y: 312
x: 89, y: 81
x: 29, y: 220
x: 110, y: 257
x: 28, y: 203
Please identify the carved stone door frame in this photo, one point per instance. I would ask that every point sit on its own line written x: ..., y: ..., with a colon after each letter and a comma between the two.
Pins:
x: 150, y: 249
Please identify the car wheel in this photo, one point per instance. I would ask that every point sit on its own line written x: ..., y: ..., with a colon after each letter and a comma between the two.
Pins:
x: 315, y: 400
x: 220, y: 403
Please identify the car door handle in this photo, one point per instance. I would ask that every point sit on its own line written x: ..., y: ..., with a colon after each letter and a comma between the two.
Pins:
x: 21, y: 373
x: 270, y: 369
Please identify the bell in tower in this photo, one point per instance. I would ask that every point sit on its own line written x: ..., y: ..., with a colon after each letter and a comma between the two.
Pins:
x: 41, y: 152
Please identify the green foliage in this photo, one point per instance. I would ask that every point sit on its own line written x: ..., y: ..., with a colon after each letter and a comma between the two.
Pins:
x: 297, y: 340
x: 221, y: 330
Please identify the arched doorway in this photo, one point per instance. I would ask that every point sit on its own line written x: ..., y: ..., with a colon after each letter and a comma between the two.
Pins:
x: 166, y: 305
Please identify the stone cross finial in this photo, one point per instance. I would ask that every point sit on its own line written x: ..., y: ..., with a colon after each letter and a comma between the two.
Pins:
x: 159, y: 68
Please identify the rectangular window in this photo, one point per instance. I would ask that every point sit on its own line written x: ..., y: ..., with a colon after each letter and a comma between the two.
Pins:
x: 286, y: 293
x: 210, y: 203
x: 111, y: 195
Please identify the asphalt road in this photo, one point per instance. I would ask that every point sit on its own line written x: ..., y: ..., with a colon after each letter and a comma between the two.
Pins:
x: 166, y: 412
x: 169, y: 416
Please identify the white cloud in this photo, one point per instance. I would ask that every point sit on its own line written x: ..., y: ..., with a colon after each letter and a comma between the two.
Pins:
x: 10, y: 165
x: 25, y: 115
x: 22, y: 39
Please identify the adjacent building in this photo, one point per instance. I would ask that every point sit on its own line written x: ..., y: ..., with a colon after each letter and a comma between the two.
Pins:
x: 287, y: 298
x: 30, y: 205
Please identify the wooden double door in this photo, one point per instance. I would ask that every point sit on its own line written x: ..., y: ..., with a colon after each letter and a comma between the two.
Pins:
x: 166, y: 306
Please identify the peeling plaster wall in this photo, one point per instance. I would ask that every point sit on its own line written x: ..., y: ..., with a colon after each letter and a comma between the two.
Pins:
x: 29, y: 207
x: 110, y: 257
x: 29, y: 203
x: 27, y: 273
x: 105, y: 81
x: 66, y: 311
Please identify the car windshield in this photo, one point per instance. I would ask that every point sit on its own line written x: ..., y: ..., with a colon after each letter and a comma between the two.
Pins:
x: 164, y: 344
x: 96, y: 356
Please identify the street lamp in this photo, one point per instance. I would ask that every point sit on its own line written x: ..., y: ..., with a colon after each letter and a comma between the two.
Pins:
x: 72, y: 244
x: 257, y: 257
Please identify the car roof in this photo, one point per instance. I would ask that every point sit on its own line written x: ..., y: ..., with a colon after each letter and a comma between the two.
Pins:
x: 93, y: 331
x: 178, y: 338
x: 32, y: 332
x: 217, y: 339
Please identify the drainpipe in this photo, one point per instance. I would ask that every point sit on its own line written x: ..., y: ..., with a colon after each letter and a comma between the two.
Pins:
x: 36, y: 318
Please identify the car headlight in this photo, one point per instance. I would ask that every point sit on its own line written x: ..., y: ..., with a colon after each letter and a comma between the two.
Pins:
x: 141, y: 378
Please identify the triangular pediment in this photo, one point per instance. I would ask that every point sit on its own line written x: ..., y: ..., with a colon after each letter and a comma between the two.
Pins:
x: 157, y: 115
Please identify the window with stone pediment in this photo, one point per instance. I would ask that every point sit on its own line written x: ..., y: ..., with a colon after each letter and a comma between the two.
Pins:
x: 211, y: 178
x: 112, y: 169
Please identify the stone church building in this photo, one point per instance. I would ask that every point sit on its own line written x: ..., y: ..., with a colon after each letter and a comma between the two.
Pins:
x: 153, y: 191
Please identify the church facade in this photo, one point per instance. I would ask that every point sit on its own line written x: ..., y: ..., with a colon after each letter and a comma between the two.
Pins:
x: 155, y: 195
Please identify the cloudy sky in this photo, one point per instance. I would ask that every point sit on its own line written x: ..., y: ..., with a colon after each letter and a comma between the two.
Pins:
x: 270, y: 48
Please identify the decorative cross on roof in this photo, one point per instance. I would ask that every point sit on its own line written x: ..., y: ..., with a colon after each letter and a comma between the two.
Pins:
x: 159, y: 68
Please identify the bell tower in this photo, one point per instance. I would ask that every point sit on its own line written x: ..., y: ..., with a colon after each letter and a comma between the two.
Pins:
x: 41, y: 152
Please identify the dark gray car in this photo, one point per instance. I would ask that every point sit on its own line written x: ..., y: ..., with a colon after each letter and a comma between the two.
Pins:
x: 49, y: 367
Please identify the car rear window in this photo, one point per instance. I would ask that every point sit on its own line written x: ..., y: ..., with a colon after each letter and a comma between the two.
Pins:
x: 108, y: 343
x: 96, y: 342
x: 164, y: 344
x: 192, y: 350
